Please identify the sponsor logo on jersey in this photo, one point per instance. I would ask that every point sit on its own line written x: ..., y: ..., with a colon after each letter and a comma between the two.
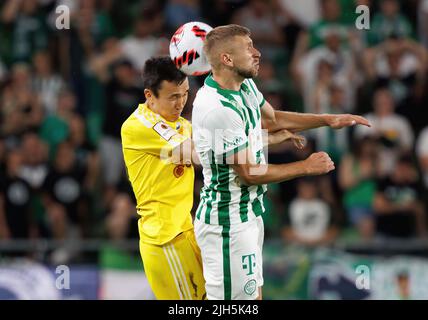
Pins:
x: 178, y: 171
x: 164, y: 130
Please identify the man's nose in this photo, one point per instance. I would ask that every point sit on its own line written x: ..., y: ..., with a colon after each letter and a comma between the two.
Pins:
x: 180, y: 103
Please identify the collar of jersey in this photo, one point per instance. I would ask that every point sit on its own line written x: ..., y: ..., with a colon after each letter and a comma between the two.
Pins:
x: 145, y: 108
x: 209, y: 81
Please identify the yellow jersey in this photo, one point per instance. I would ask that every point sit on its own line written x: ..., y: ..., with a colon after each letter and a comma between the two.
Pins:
x: 163, y: 190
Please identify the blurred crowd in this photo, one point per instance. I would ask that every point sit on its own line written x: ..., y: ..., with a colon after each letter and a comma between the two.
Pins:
x: 64, y: 94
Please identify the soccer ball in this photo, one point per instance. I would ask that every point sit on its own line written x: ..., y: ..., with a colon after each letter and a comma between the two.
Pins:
x: 186, y: 48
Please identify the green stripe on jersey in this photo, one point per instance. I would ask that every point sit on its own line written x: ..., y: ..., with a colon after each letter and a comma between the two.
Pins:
x: 225, y: 195
x: 243, y: 204
x: 227, y: 279
x: 249, y: 110
x: 257, y: 205
x: 252, y: 88
x: 235, y: 150
x: 231, y: 106
x: 214, y: 181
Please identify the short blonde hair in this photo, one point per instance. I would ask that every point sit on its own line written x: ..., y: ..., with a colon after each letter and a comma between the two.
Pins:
x: 218, y: 36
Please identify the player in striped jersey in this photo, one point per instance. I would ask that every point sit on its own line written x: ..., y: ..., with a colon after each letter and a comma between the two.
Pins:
x: 229, y: 115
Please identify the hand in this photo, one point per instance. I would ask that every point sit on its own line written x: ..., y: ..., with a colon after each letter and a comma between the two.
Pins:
x: 345, y: 120
x: 284, y: 135
x: 318, y: 163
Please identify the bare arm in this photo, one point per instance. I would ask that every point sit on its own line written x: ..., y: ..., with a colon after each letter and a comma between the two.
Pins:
x: 283, y: 135
x: 274, y: 120
x: 254, y: 174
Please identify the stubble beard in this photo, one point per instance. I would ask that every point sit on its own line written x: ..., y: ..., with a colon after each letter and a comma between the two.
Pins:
x: 246, y: 73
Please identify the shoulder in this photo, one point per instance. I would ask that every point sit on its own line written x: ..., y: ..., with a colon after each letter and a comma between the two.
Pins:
x: 138, y: 124
x: 209, y: 102
x: 206, y: 97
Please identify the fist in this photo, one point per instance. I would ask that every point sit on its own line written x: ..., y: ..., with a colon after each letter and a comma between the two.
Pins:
x: 318, y: 163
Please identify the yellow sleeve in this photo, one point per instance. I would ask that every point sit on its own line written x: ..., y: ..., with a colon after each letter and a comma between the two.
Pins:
x: 158, y: 140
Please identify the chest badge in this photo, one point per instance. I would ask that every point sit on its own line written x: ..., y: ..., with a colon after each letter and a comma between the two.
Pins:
x: 178, y: 170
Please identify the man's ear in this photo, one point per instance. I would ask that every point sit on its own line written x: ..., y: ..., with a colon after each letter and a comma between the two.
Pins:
x: 226, y: 59
x: 148, y: 94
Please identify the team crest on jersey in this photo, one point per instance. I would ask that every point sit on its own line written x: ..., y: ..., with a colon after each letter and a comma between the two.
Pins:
x: 250, y: 287
x: 164, y: 130
x: 178, y: 171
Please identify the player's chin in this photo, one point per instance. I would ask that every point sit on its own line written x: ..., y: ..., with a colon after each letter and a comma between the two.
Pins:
x: 174, y: 117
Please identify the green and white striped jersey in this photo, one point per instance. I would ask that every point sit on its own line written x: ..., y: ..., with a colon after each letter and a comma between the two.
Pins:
x: 225, y: 122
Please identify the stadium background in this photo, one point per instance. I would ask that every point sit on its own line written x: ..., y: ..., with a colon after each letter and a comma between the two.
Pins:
x: 65, y: 93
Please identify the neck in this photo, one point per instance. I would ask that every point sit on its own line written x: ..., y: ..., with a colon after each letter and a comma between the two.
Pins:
x: 152, y: 107
x: 228, y: 79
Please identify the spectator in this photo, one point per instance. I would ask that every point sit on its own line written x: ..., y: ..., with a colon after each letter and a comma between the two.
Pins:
x: 398, y: 64
x: 20, y: 106
x: 56, y: 126
x: 64, y: 195
x: 332, y: 51
x: 334, y: 142
x: 86, y: 153
x: 398, y: 205
x: 35, y: 164
x: 15, y: 200
x: 310, y: 218
x: 121, y: 222
x: 330, y: 18
x: 123, y: 97
x: 389, y: 22
x: 393, y: 130
x: 29, y: 28
x: 357, y: 177
x: 145, y: 41
x: 259, y: 16
x: 45, y: 82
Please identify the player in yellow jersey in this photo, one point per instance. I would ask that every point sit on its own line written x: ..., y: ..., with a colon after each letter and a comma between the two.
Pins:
x: 164, y: 188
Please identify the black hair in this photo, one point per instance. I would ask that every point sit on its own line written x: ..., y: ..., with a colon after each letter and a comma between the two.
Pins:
x: 158, y: 69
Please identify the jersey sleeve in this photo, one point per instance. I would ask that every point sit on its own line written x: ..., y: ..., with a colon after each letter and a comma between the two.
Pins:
x: 260, y: 99
x: 158, y: 140
x: 226, y: 129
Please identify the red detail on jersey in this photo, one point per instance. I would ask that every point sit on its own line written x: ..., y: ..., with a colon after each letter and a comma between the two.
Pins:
x: 201, y: 33
x: 178, y: 171
x: 186, y: 58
